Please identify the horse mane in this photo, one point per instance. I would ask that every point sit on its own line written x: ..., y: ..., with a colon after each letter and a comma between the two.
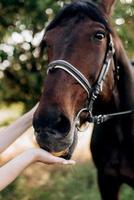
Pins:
x: 79, y: 9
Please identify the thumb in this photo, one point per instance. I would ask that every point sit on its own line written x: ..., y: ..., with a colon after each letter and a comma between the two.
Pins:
x: 63, y: 161
x: 68, y: 162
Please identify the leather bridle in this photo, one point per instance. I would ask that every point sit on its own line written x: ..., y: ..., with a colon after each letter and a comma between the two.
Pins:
x: 92, y: 91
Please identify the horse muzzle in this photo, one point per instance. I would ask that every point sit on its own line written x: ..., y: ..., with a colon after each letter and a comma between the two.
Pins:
x: 58, y: 146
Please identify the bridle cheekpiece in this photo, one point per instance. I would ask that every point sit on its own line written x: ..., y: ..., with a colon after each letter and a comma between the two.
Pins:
x: 92, y: 91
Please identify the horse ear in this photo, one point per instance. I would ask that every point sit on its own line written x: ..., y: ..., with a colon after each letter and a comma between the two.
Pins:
x: 106, y: 6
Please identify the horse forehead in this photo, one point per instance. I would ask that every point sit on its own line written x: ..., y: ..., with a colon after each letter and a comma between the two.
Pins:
x: 70, y: 28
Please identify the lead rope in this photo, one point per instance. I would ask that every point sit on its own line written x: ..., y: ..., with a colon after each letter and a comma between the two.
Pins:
x: 99, y: 119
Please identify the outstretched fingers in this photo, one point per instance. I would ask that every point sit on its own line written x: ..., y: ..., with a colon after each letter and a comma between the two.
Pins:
x: 57, y: 160
x: 47, y: 158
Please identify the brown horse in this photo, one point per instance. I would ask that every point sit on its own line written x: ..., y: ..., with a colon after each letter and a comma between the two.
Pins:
x: 88, y: 74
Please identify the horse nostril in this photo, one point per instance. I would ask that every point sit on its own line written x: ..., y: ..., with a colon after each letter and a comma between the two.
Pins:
x: 62, y: 125
x: 51, y: 122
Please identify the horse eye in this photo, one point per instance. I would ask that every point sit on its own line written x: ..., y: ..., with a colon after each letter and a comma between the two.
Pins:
x: 99, y: 36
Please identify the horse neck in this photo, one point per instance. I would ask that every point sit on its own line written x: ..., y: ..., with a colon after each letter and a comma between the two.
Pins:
x: 125, y: 84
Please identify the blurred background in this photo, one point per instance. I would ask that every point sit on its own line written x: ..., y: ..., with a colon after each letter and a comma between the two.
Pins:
x: 22, y: 24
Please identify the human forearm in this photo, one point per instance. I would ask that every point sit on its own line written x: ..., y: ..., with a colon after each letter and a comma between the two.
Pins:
x: 13, y: 168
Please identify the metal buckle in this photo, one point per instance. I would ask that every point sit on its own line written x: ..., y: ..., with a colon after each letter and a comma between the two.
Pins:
x: 99, y: 119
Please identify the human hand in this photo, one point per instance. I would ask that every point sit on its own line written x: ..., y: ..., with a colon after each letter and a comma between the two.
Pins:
x: 45, y: 157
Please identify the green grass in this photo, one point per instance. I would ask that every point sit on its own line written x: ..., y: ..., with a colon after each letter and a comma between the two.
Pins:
x: 70, y: 183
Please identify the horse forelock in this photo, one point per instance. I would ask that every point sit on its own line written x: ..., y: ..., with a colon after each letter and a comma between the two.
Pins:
x: 79, y: 9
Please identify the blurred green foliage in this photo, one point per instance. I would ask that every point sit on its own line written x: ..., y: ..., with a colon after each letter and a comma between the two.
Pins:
x: 72, y: 183
x: 22, y: 24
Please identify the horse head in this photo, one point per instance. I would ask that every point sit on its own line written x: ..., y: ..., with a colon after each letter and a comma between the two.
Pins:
x: 78, y: 36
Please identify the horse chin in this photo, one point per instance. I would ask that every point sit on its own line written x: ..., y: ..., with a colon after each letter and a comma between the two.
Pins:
x: 71, y: 149
x: 67, y: 153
